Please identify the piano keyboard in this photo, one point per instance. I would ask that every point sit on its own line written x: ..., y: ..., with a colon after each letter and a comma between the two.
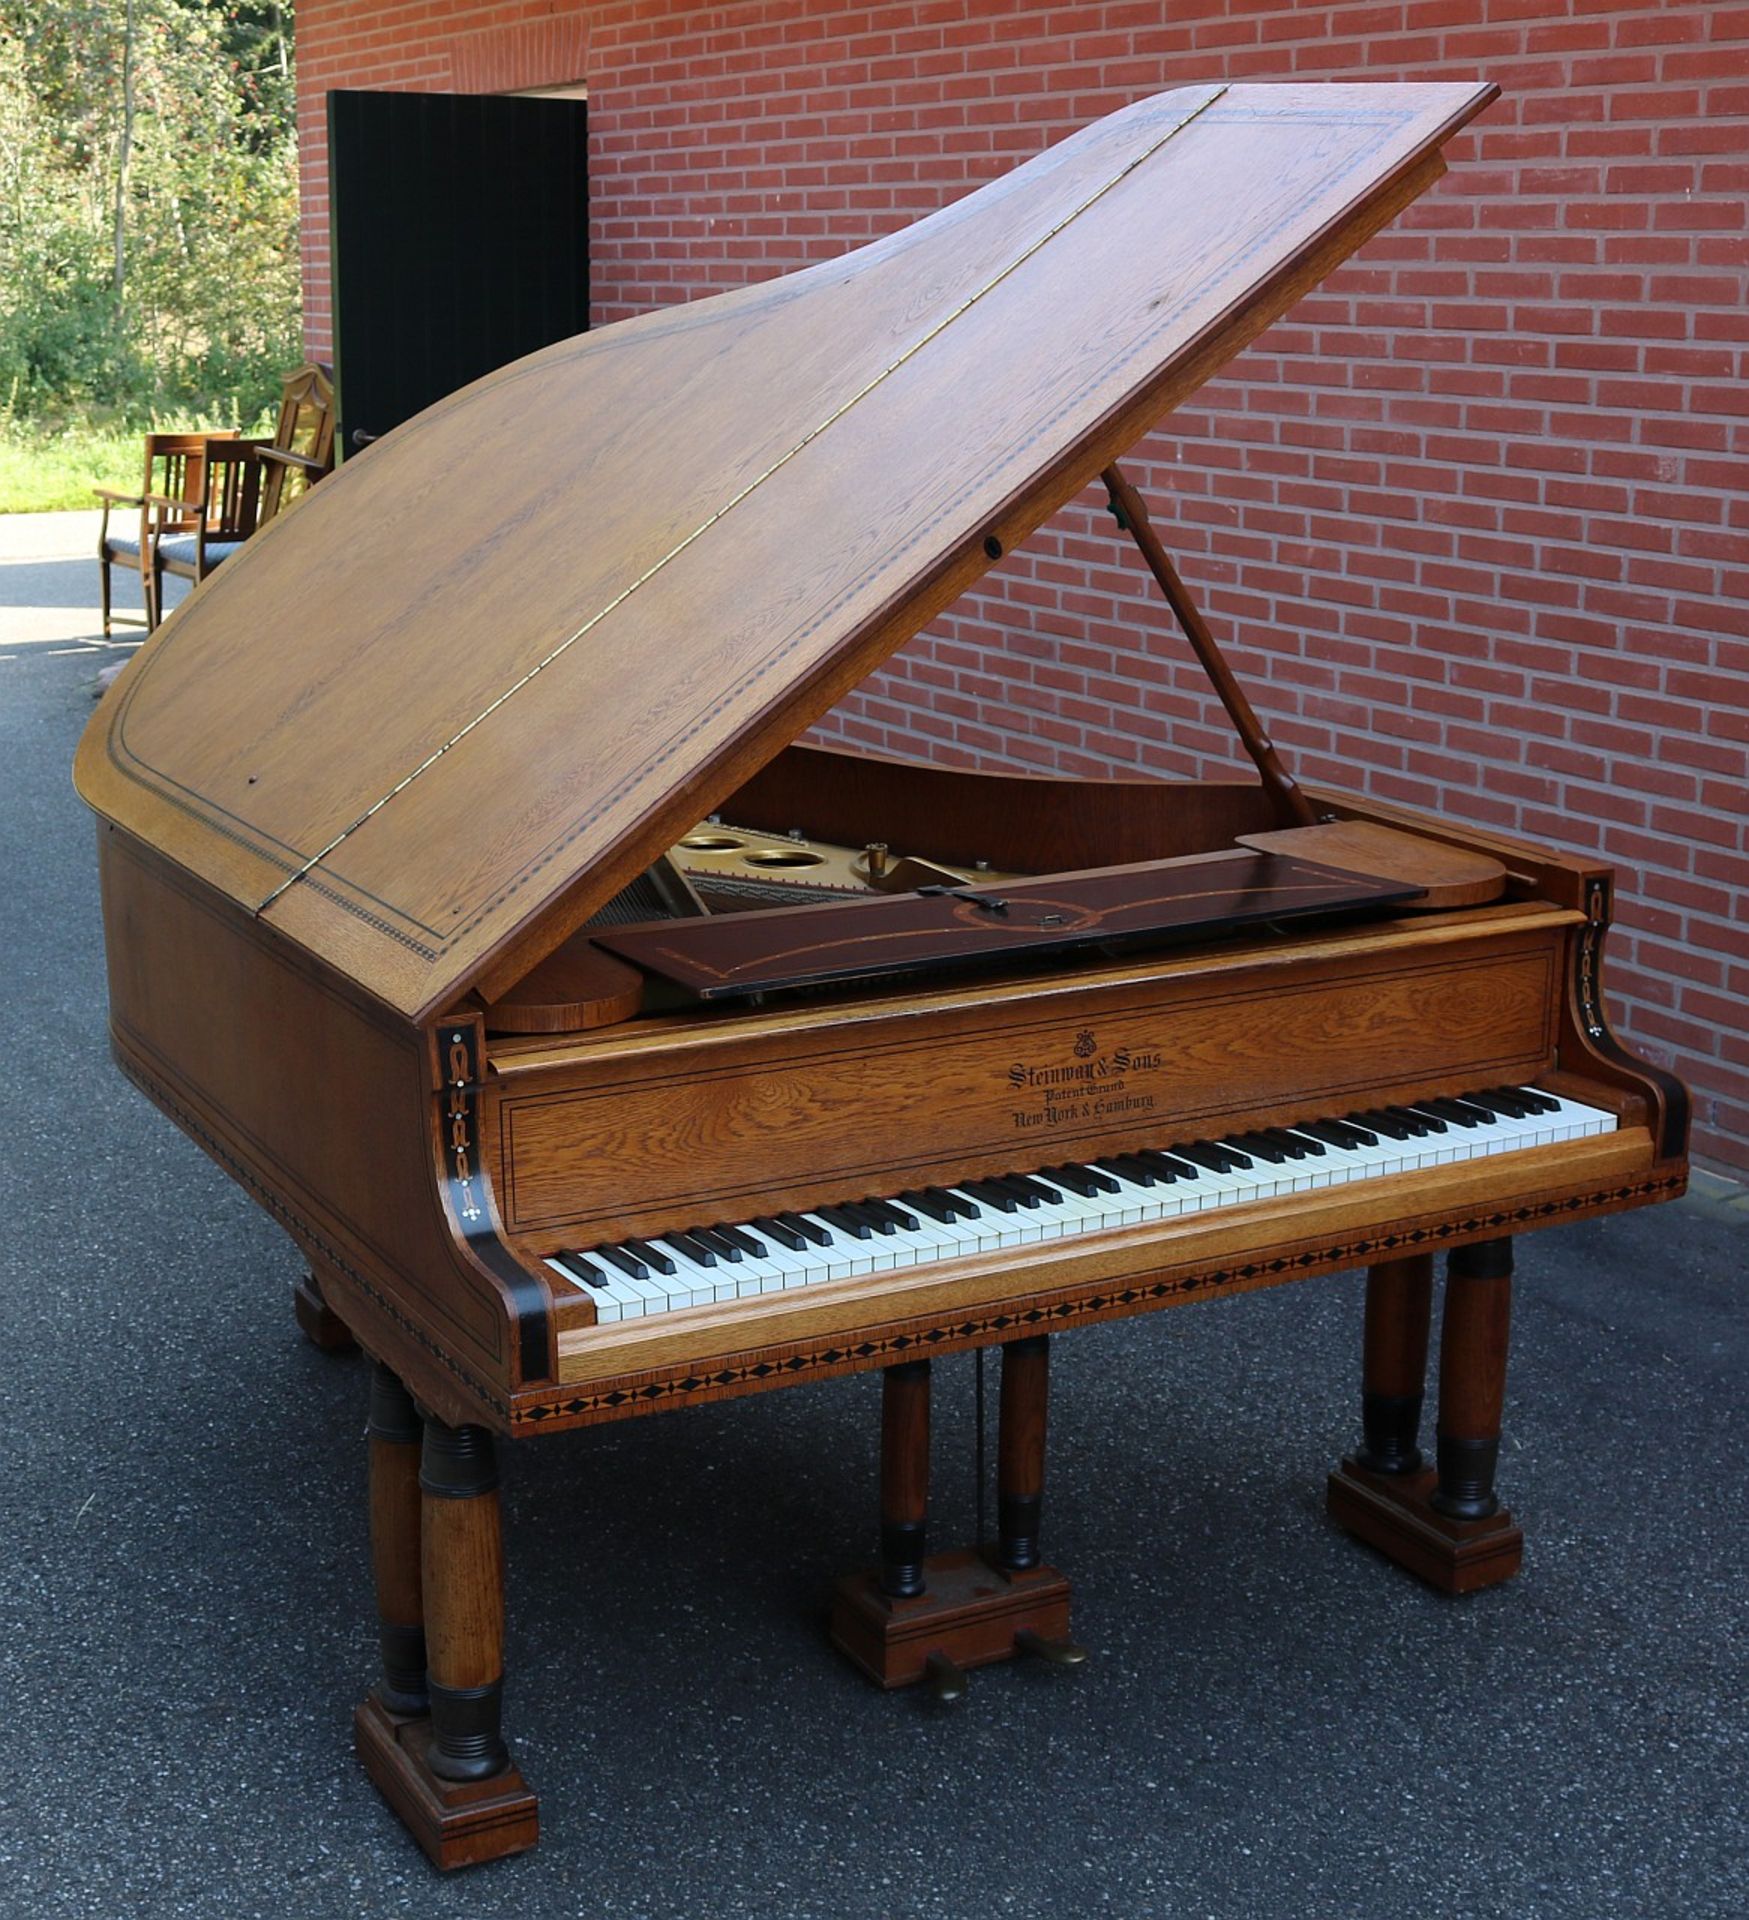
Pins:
x: 633, y: 1279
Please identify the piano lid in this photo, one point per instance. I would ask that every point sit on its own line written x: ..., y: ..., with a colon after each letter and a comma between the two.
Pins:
x: 428, y: 721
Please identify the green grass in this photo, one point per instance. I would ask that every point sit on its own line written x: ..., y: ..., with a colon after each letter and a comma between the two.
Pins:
x: 43, y: 470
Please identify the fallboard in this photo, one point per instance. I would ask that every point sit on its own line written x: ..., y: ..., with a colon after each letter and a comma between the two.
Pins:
x: 715, y: 1124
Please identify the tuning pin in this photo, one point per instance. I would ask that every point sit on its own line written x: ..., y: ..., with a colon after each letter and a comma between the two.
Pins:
x: 946, y: 1681
x: 876, y: 850
x: 1060, y: 1653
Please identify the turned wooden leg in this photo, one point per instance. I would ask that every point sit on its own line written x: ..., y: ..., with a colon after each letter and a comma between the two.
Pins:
x: 904, y: 1478
x: 1444, y: 1524
x: 1399, y: 1308
x: 429, y: 1735
x: 923, y: 1616
x: 1020, y: 1453
x: 1472, y: 1377
x: 463, y: 1572
x: 396, y: 1435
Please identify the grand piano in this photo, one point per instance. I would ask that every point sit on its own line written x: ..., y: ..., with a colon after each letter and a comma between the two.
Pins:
x: 469, y: 898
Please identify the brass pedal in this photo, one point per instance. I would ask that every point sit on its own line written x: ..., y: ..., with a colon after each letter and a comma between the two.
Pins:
x: 1055, y: 1652
x: 946, y: 1681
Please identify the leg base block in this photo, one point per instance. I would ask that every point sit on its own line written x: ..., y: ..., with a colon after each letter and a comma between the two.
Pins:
x: 321, y: 1325
x: 458, y: 1823
x: 970, y: 1611
x: 1395, y: 1514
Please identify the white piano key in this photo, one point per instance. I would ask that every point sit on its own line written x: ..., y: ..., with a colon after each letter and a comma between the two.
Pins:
x: 609, y: 1306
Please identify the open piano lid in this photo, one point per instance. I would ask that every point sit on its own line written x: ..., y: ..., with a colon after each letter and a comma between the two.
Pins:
x: 432, y: 718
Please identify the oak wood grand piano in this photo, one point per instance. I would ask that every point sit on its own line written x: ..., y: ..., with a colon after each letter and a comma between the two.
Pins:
x: 407, y: 818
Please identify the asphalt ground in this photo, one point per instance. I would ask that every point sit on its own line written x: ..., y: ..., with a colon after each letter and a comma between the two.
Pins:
x: 1274, y: 1721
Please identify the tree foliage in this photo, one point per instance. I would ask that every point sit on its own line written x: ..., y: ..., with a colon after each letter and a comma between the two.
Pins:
x: 148, y: 206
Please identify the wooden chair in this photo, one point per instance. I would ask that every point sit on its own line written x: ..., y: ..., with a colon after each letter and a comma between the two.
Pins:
x: 228, y: 511
x: 302, y: 447
x: 175, y: 477
x: 246, y: 483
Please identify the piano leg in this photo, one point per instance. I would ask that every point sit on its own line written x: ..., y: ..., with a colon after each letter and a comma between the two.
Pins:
x: 1399, y: 1308
x: 904, y: 1478
x: 1020, y: 1453
x: 396, y: 1435
x: 429, y: 1736
x: 915, y: 1617
x: 1443, y: 1523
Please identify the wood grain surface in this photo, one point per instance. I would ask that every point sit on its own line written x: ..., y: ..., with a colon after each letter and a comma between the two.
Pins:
x: 423, y: 730
x: 1447, y: 876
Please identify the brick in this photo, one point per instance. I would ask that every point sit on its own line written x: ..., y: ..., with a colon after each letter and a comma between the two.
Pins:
x: 1476, y: 508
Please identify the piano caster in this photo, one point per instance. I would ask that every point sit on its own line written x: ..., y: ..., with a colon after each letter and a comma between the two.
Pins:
x: 1442, y: 1523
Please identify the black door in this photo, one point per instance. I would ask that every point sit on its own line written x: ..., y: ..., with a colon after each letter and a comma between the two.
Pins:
x: 460, y: 237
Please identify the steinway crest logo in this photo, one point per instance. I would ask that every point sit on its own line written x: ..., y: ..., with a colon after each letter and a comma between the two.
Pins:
x: 1085, y: 1044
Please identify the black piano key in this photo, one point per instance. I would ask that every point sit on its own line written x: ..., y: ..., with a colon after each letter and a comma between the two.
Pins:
x: 1505, y: 1102
x: 808, y: 1229
x: 1167, y: 1165
x: 1417, y: 1122
x: 1385, y: 1123
x: 1082, y: 1180
x: 1252, y: 1143
x: 710, y: 1238
x: 584, y: 1270
x: 1012, y: 1184
x: 1459, y: 1116
x: 1539, y: 1101
x: 866, y: 1211
x: 890, y: 1210
x: 935, y: 1206
x: 1130, y: 1167
x: 1230, y: 1159
x: 1485, y: 1115
x: 695, y: 1250
x: 988, y: 1193
x: 1294, y: 1145
x: 1043, y: 1193
x: 651, y: 1256
x: 626, y: 1262
x: 1487, y: 1104
x: 845, y: 1221
x: 740, y: 1237
x: 784, y: 1236
x: 1334, y: 1133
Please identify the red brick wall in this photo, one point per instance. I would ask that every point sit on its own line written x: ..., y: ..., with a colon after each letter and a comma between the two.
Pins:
x: 1472, y: 514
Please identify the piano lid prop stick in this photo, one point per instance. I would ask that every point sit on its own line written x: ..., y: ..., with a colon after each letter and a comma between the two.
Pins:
x: 1290, y: 803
